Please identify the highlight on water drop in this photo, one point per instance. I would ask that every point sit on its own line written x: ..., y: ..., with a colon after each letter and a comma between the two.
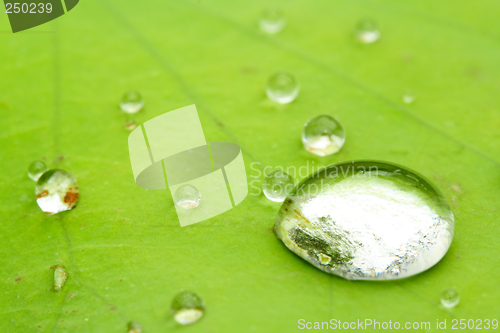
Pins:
x: 187, y: 308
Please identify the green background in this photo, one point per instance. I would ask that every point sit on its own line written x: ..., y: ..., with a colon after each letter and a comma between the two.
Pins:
x: 124, y: 250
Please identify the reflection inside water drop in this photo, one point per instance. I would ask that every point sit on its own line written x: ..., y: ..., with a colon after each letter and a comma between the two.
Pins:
x: 323, y: 135
x: 367, y: 220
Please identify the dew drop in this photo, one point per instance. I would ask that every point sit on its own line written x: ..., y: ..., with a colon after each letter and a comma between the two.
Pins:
x: 130, y: 125
x: 367, y: 32
x: 56, y: 191
x: 277, y: 185
x: 323, y: 135
x: 367, y: 220
x: 282, y: 87
x: 187, y: 308
x: 272, y: 20
x: 132, y: 102
x: 60, y: 277
x: 36, y: 169
x: 450, y: 298
x: 187, y: 197
x: 408, y: 97
x: 134, y: 327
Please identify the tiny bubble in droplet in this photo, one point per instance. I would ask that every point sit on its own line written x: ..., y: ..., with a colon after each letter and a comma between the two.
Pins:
x: 450, y: 298
x: 367, y: 31
x: 187, y: 196
x: 187, y: 308
x: 132, y: 102
x: 323, y: 135
x: 282, y: 87
x: 277, y: 185
x: 272, y: 20
x: 36, y: 169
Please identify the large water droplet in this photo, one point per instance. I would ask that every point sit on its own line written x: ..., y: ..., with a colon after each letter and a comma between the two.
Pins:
x: 450, y: 298
x: 367, y: 32
x: 187, y: 308
x: 272, y: 20
x: 323, y: 135
x: 56, y: 191
x: 132, y: 102
x: 36, y: 169
x: 282, y: 87
x: 187, y: 196
x: 367, y: 221
x: 277, y: 185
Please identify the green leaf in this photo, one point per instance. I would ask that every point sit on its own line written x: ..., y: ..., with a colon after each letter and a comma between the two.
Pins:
x: 124, y: 251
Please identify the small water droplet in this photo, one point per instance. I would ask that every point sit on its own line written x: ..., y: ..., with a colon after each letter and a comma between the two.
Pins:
x: 187, y: 308
x: 134, y: 327
x: 323, y: 135
x: 272, y: 20
x: 450, y: 298
x: 56, y: 191
x: 277, y: 185
x: 367, y: 32
x: 36, y: 169
x: 130, y: 125
x: 60, y: 276
x: 132, y: 102
x: 408, y: 97
x: 282, y: 87
x: 367, y: 220
x: 187, y: 196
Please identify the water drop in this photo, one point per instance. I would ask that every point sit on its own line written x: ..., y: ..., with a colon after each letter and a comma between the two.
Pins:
x: 272, y: 20
x: 132, y: 102
x: 60, y: 277
x: 367, y: 32
x: 56, y: 191
x: 130, y: 125
x: 134, y: 327
x: 187, y: 308
x: 187, y: 197
x: 323, y: 135
x: 367, y: 220
x: 36, y: 169
x: 277, y: 185
x: 408, y: 97
x: 450, y: 298
x: 282, y: 87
